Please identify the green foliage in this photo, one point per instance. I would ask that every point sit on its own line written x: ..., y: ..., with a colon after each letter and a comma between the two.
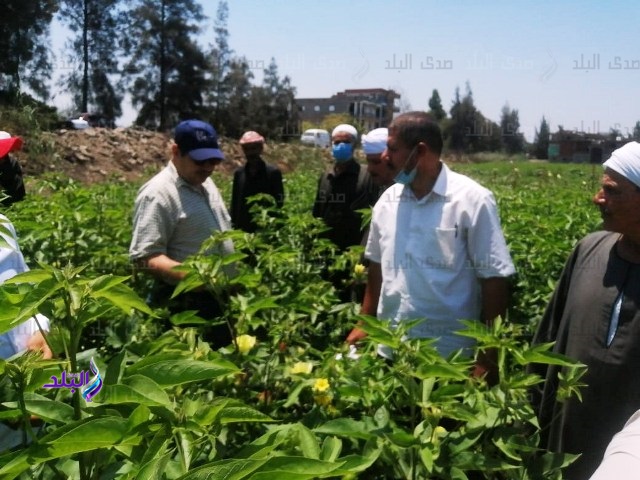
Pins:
x: 23, y: 45
x: 285, y: 399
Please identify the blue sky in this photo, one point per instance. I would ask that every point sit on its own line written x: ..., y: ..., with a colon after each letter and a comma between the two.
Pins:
x: 576, y: 63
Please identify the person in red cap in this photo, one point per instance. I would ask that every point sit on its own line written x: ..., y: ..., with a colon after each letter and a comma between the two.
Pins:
x: 253, y: 178
x: 11, y: 182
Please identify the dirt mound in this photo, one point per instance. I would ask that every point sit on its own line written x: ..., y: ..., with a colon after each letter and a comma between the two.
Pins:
x: 128, y: 154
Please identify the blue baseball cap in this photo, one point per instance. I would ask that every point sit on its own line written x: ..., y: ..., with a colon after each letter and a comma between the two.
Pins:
x: 198, y: 139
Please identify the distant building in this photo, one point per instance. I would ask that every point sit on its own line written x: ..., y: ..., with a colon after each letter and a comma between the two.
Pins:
x: 581, y: 147
x: 369, y: 107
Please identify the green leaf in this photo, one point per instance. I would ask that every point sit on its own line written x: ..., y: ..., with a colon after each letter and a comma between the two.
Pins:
x: 331, y: 448
x: 177, y: 372
x: 541, y: 354
x: 82, y: 436
x: 230, y: 469
x: 345, y: 427
x: 441, y: 371
x: 426, y: 455
x: 188, y: 317
x: 122, y: 297
x: 294, y: 468
x: 155, y: 468
x: 45, y: 408
x: 308, y: 442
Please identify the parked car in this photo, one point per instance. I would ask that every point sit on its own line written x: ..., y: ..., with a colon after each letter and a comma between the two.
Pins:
x: 316, y: 137
x: 86, y: 120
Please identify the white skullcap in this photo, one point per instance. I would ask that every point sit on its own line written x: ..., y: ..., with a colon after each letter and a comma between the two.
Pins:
x: 346, y: 128
x: 626, y: 161
x: 375, y: 142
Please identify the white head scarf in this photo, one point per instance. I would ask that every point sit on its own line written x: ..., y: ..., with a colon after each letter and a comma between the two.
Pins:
x: 626, y: 161
x: 346, y: 128
x: 375, y: 142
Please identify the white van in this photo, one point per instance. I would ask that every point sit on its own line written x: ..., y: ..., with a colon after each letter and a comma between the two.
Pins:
x: 316, y: 137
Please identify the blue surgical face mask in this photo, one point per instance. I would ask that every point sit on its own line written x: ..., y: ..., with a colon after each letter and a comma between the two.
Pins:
x: 404, y: 177
x: 342, y: 152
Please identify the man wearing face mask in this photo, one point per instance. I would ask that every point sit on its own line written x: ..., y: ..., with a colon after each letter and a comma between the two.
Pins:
x: 254, y: 178
x: 436, y: 248
x: 344, y: 190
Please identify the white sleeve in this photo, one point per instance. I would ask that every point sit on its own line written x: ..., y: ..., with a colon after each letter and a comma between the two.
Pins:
x: 622, y: 458
x: 12, y: 263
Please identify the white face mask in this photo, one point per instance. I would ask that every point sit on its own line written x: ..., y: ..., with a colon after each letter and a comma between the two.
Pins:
x: 404, y: 177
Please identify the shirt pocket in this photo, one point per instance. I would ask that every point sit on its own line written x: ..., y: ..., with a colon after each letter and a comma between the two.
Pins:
x: 435, y: 249
x: 441, y: 248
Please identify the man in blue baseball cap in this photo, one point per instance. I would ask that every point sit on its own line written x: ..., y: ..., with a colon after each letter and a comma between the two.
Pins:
x: 175, y: 212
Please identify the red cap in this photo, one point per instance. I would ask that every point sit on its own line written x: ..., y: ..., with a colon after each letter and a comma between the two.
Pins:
x: 9, y: 143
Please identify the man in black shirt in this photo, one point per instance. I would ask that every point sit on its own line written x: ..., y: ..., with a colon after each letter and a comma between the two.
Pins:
x: 254, y: 178
x: 344, y: 190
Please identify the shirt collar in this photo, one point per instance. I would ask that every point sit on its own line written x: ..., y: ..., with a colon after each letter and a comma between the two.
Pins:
x: 440, y: 187
x: 181, y: 182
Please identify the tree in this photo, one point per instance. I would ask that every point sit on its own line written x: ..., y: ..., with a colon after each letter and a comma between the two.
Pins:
x: 234, y: 120
x: 511, y: 138
x: 435, y: 106
x: 541, y: 141
x: 220, y: 67
x: 24, y: 51
x: 272, y: 104
x: 167, y: 67
x: 97, y: 25
x: 636, y: 132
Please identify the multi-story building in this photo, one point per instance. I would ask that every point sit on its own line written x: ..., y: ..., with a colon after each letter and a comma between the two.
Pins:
x: 370, y: 107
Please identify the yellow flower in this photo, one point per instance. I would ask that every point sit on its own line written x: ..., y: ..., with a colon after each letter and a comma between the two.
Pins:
x: 359, y: 269
x: 302, y: 367
x: 321, y: 385
x: 245, y: 343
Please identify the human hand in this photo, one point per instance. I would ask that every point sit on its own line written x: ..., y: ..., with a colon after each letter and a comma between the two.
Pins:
x: 355, y: 336
x: 37, y: 343
x: 487, y: 366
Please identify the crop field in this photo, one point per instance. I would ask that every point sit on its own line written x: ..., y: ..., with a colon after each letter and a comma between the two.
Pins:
x: 285, y: 400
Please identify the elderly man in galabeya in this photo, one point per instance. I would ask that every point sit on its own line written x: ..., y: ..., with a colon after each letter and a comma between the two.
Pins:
x: 594, y: 317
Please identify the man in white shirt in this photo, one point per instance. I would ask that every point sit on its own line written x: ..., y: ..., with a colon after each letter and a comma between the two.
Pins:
x: 26, y: 335
x: 436, y: 246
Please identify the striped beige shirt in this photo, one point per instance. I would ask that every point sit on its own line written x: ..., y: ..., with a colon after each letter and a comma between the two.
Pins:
x: 174, y: 218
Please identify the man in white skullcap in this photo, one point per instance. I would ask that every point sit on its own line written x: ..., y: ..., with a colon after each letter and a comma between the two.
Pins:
x: 374, y: 146
x: 344, y: 190
x: 594, y: 318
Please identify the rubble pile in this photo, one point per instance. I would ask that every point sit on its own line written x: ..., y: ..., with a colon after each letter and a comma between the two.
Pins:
x: 127, y: 154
